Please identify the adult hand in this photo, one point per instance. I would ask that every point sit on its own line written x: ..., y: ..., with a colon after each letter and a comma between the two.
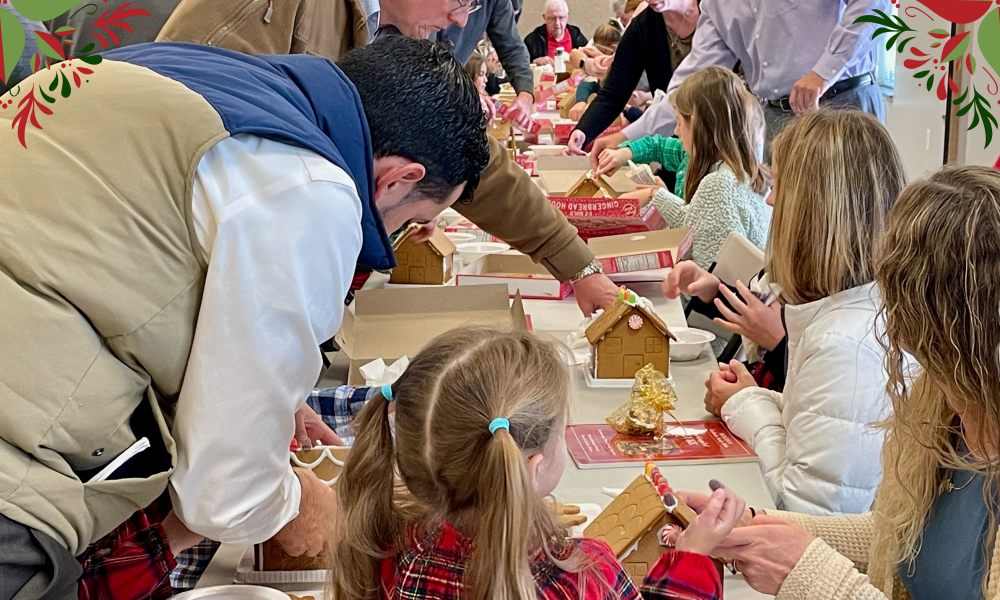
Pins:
x: 594, y: 292
x: 309, y: 531
x: 489, y: 107
x: 752, y: 318
x: 716, y: 520
x: 576, y: 113
x: 541, y: 61
x: 179, y: 537
x: 807, y: 92
x: 688, y: 278
x: 310, y: 427
x: 425, y: 231
x: 600, y: 144
x: 576, y: 57
x: 724, y: 383
x: 766, y: 551
x: 493, y: 62
x: 577, y: 139
x: 612, y: 159
x: 520, y: 110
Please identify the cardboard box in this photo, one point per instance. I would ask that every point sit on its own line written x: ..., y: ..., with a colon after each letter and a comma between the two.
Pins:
x: 562, y: 131
x: 642, y: 251
x: 597, y: 217
x: 518, y: 272
x: 389, y: 324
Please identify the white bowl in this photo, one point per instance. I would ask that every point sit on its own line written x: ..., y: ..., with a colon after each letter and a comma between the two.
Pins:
x: 460, y: 237
x: 233, y: 592
x: 473, y: 251
x: 548, y: 149
x: 450, y: 215
x: 690, y: 342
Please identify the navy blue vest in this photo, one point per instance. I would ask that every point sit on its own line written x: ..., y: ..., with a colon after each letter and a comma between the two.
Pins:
x: 301, y: 100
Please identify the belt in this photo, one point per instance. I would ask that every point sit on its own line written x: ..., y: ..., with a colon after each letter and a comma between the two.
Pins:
x: 842, y: 86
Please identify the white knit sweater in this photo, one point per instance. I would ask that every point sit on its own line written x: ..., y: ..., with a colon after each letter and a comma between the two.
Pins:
x: 720, y: 205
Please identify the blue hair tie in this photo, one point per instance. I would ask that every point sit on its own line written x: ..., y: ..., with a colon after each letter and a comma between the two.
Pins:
x: 499, y: 423
x: 387, y: 392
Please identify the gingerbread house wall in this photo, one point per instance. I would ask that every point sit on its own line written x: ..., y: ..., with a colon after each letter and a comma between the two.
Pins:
x: 420, y: 264
x: 623, y: 350
x: 647, y: 551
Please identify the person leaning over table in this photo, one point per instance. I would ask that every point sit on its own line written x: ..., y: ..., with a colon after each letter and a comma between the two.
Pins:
x: 655, y: 43
x: 932, y: 532
x: 495, y: 19
x: 331, y: 27
x: 837, y: 174
x: 166, y: 305
x: 796, y: 55
x: 555, y: 33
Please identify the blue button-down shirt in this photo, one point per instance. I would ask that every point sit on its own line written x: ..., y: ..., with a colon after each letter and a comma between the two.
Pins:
x: 778, y: 42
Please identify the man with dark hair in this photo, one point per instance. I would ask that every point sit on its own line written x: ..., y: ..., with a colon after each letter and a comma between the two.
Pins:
x: 189, y: 278
x: 330, y: 28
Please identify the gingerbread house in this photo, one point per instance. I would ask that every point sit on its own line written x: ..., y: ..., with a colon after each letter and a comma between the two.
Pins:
x: 427, y: 263
x: 626, y: 337
x: 327, y: 462
x: 631, y: 524
x: 601, y: 186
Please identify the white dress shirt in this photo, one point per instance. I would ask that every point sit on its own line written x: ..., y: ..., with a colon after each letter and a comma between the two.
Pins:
x: 778, y: 42
x: 280, y: 228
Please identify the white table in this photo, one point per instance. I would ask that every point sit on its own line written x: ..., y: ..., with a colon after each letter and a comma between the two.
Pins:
x: 592, y: 405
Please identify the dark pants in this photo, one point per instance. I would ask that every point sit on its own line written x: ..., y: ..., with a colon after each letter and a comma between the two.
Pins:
x: 866, y: 97
x: 33, y: 566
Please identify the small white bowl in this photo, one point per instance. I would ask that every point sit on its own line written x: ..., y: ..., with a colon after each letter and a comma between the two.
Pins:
x: 450, y: 215
x: 548, y: 149
x: 460, y: 237
x: 690, y: 342
x: 233, y: 592
x: 473, y: 251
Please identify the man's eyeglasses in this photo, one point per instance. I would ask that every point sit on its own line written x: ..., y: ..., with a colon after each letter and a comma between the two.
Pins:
x: 469, y: 6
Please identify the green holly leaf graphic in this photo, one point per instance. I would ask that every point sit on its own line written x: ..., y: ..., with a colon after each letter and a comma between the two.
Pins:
x: 91, y: 60
x: 64, y: 30
x: 42, y: 10
x: 989, y: 39
x: 49, y: 45
x: 939, y: 33
x: 11, y: 44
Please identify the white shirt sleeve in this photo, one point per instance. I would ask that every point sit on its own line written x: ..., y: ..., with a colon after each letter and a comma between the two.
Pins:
x: 281, y: 230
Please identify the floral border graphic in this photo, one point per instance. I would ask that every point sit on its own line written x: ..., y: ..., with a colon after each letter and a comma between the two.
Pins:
x: 68, y: 69
x: 944, y: 50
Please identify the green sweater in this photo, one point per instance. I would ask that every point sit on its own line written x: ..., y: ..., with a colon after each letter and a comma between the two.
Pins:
x: 667, y: 151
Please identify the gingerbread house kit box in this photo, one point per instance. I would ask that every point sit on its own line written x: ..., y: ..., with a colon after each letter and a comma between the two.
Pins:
x: 391, y: 323
x: 518, y: 272
x: 642, y: 251
x: 426, y: 263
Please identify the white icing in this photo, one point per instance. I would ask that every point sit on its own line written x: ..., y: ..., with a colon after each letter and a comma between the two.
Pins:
x: 327, y: 454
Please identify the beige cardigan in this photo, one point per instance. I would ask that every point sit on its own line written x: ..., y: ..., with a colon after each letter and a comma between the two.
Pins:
x: 832, y: 566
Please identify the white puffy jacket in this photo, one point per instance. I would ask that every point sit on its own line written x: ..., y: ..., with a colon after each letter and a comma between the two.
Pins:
x: 818, y: 450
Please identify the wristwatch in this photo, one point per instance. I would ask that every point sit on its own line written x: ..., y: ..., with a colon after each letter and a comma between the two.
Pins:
x: 592, y: 269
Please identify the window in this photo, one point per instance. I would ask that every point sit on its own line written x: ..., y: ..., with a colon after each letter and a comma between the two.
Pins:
x: 886, y: 62
x: 654, y: 345
x: 613, y: 345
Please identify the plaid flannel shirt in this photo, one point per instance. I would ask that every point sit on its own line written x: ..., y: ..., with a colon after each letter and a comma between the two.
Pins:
x: 669, y: 152
x: 191, y: 564
x: 339, y: 406
x: 432, y: 566
x: 133, y: 562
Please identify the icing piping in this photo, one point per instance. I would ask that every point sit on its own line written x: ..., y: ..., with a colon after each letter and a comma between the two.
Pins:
x: 327, y: 454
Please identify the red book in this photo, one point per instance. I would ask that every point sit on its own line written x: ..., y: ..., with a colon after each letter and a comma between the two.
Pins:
x: 696, y: 442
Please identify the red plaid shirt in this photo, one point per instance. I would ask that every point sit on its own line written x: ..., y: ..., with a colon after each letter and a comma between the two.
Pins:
x: 432, y: 566
x: 133, y: 562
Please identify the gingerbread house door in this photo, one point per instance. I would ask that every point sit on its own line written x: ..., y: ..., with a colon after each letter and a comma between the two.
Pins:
x: 632, y: 363
x: 416, y: 275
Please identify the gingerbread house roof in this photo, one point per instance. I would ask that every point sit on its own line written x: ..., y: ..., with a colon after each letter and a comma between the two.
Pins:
x: 439, y: 242
x: 614, y: 185
x: 610, y: 317
x: 629, y: 516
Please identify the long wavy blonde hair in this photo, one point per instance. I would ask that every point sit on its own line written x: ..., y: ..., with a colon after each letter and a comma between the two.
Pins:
x: 453, y: 470
x: 938, y: 270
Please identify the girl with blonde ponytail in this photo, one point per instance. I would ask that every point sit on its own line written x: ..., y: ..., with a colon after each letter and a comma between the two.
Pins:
x: 451, y: 504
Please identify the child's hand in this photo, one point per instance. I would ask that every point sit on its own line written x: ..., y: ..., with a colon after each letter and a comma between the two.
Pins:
x: 723, y: 511
x: 576, y: 113
x: 612, y: 159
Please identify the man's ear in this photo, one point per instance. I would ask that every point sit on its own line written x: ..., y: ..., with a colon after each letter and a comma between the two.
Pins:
x: 395, y: 172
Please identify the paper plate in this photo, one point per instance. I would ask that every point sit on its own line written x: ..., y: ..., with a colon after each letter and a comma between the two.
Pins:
x: 233, y: 592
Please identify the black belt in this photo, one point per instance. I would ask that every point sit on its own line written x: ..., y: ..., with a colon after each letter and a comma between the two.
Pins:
x: 844, y: 85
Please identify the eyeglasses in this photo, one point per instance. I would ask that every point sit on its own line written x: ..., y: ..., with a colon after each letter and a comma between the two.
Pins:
x: 469, y: 6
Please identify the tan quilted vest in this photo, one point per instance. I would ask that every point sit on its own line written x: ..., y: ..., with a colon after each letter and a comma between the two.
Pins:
x: 100, y: 283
